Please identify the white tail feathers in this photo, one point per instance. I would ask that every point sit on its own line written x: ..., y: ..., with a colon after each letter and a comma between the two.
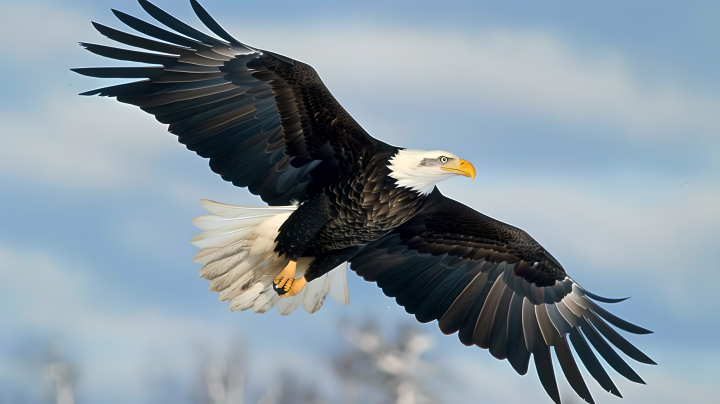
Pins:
x: 338, y: 286
x: 239, y: 259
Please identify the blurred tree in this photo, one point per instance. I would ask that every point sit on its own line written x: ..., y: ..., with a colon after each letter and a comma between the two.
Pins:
x: 58, y: 365
x: 392, y: 369
x: 61, y: 374
x: 220, y: 378
x: 225, y: 380
x: 290, y: 390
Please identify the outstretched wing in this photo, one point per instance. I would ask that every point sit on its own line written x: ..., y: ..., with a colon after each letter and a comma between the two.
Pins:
x: 265, y: 121
x: 500, y: 290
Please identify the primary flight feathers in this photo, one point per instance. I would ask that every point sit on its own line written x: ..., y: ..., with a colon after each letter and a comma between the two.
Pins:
x: 268, y: 123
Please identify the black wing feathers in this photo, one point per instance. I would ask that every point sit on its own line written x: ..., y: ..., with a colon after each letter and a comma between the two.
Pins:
x: 265, y: 121
x: 268, y: 123
x: 500, y: 290
x: 177, y: 25
x: 212, y: 24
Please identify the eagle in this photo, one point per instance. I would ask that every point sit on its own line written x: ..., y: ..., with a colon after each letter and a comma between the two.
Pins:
x: 337, y: 195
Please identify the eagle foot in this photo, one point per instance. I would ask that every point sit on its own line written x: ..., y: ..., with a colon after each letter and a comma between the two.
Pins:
x: 285, y: 284
x: 296, y: 287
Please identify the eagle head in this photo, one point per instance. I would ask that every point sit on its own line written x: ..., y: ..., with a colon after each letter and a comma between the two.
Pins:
x: 420, y: 170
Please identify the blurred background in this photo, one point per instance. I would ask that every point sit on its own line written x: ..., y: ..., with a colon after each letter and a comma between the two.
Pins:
x: 594, y: 126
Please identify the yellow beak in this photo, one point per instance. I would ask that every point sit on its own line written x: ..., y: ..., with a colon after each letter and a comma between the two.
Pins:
x: 462, y: 167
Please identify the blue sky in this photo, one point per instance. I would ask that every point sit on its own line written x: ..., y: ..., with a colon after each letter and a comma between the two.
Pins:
x: 592, y: 125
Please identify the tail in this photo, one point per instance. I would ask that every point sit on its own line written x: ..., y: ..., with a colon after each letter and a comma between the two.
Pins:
x: 239, y: 258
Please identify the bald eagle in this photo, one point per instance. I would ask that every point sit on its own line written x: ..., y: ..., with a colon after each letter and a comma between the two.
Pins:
x: 337, y: 195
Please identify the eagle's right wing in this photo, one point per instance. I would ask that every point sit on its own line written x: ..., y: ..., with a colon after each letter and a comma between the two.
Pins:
x: 265, y: 121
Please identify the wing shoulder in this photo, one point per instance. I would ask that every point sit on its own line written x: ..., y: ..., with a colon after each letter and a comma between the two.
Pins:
x: 444, y: 223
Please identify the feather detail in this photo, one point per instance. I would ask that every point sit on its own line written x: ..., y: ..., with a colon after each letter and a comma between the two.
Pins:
x: 315, y: 293
x: 225, y: 210
x: 266, y: 301
x: 287, y: 305
x: 212, y: 222
x: 247, y: 299
x: 338, y: 284
x: 239, y: 259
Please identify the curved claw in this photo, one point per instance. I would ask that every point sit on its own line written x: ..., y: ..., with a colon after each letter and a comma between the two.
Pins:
x: 280, y: 291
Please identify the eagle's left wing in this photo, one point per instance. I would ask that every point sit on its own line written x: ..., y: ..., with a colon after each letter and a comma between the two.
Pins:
x: 500, y: 290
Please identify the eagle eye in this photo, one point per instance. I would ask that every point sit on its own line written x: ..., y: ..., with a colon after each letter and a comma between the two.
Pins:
x: 443, y: 159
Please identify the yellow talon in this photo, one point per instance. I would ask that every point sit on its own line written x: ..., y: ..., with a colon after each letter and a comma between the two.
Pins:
x: 286, y: 275
x: 287, y: 282
x: 285, y: 279
x: 297, y: 287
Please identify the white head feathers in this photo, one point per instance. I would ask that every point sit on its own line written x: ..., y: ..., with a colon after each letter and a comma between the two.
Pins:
x: 420, y: 170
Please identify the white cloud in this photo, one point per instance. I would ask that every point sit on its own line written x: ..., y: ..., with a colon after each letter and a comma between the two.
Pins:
x: 118, y: 345
x: 76, y: 141
x: 71, y: 299
x: 507, y: 71
x: 65, y: 139
x: 669, y: 382
x: 81, y: 142
x: 498, y: 69
x: 91, y: 142
x: 31, y: 32
x: 652, y: 241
